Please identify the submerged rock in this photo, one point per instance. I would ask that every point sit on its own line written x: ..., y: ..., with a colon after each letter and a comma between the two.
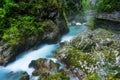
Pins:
x: 20, y: 75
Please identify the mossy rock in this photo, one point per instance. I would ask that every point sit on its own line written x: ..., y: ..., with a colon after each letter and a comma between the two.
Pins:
x: 44, y: 67
x: 47, y: 26
x: 93, y: 76
x: 91, y: 52
x: 76, y: 58
x: 56, y: 76
x: 25, y: 76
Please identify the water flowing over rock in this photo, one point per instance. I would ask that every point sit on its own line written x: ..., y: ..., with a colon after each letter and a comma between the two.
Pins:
x: 20, y: 75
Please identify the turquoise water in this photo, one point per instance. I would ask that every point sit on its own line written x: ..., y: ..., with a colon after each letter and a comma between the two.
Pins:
x: 12, y: 70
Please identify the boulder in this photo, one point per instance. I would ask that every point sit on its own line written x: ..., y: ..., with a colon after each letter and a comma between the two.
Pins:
x: 51, y: 21
x: 89, y: 52
x: 20, y: 75
x: 25, y: 76
x: 44, y: 67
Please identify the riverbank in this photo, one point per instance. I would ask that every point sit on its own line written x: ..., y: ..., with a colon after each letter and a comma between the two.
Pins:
x: 90, y: 55
x: 29, y: 27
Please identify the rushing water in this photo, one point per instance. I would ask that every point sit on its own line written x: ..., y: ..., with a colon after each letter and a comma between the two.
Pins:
x: 13, y: 70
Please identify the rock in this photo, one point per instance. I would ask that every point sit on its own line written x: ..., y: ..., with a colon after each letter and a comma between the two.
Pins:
x: 44, y: 67
x: 89, y: 52
x: 109, y: 20
x: 44, y: 12
x: 61, y: 23
x: 74, y: 74
x: 57, y: 76
x: 25, y: 76
x: 2, y: 61
x: 20, y: 75
x: 53, y: 35
x: 106, y: 24
x: 55, y: 26
x: 113, y: 16
x: 5, y: 54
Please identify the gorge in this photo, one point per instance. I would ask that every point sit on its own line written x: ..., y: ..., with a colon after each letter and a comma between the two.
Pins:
x: 59, y: 40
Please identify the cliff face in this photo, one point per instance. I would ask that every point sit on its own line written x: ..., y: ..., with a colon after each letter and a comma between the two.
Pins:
x: 30, y: 23
x: 109, y: 20
x: 108, y: 14
x: 112, y: 16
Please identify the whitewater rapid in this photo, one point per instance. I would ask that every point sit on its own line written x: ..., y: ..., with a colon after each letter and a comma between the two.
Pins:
x: 44, y: 51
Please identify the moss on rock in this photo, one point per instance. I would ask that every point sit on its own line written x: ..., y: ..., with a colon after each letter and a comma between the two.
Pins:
x: 56, y: 76
x: 92, y: 52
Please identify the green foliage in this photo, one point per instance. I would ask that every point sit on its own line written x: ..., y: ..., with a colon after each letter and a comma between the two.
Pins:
x: 108, y: 5
x: 73, y: 57
x: 42, y: 7
x: 56, y: 76
x: 76, y: 56
x: 20, y: 28
x: 46, y: 24
x: 22, y: 19
x: 12, y: 35
x: 9, y: 8
x: 86, y: 5
x: 111, y: 76
x: 93, y: 76
x: 91, y: 23
x: 72, y: 7
x: 23, y: 27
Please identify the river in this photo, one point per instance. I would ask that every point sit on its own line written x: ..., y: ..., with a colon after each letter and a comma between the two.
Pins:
x: 13, y: 70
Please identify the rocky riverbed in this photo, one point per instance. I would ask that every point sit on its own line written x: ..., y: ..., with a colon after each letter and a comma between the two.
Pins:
x: 89, y: 55
x: 93, y: 52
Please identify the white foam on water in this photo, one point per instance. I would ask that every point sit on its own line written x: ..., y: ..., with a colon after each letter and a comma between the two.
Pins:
x: 78, y: 24
x: 22, y: 64
x: 66, y: 38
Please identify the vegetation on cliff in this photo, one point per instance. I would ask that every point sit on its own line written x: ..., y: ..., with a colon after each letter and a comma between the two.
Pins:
x: 108, y: 5
x: 24, y: 22
x: 22, y: 19
x: 27, y: 23
x: 101, y: 5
